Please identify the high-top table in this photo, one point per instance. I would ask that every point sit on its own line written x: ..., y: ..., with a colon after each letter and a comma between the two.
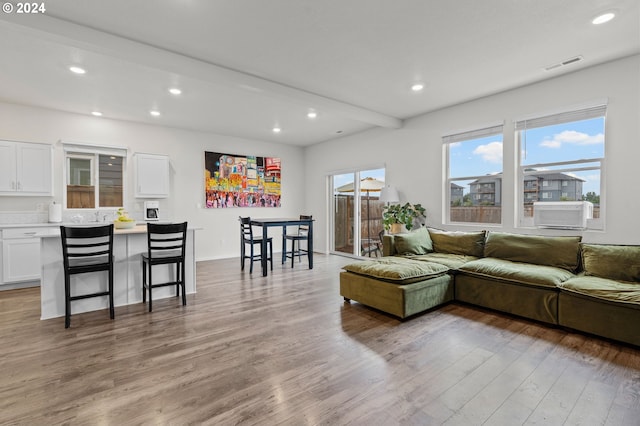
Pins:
x: 266, y: 223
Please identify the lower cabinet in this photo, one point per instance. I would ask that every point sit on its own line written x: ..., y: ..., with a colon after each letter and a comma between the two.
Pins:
x: 20, y: 256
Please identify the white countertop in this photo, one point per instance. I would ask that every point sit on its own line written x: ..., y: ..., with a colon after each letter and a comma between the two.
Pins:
x: 46, y: 232
x: 31, y: 225
x: 53, y: 229
x: 53, y: 225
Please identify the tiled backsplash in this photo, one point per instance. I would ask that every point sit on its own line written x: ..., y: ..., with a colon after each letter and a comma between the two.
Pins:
x: 9, y: 218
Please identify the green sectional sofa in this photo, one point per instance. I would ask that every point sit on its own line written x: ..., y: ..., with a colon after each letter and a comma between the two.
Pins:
x: 594, y: 288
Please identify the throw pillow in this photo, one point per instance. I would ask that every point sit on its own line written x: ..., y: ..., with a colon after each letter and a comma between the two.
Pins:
x: 612, y: 261
x: 465, y: 243
x: 560, y: 252
x: 416, y: 242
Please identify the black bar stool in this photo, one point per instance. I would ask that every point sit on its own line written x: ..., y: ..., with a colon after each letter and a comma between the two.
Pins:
x: 301, y: 235
x: 166, y: 244
x: 86, y: 249
x: 246, y: 237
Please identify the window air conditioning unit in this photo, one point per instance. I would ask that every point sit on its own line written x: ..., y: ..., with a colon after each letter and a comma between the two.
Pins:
x: 562, y: 214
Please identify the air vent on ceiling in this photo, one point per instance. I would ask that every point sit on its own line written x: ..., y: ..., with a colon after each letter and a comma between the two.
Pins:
x: 564, y: 63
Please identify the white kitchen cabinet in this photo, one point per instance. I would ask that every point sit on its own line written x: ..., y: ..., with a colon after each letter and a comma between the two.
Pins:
x: 26, y: 169
x: 152, y: 175
x: 20, y: 255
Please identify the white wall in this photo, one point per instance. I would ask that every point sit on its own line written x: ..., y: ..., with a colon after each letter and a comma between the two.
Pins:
x: 414, y: 156
x: 219, y: 236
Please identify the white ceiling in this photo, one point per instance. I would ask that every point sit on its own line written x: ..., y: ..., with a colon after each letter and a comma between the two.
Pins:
x: 247, y: 66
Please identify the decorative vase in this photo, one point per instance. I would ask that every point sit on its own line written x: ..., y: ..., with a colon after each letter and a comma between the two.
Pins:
x: 397, y: 228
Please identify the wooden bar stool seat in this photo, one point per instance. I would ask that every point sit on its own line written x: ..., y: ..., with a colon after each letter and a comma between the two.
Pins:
x: 86, y: 249
x: 247, y: 238
x: 301, y: 235
x: 166, y: 245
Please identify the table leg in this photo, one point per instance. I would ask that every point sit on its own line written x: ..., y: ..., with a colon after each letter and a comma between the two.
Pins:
x: 263, y: 252
x: 310, y: 245
x: 284, y: 244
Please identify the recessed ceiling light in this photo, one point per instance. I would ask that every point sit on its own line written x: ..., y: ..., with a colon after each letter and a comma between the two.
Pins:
x: 312, y: 114
x: 77, y: 70
x: 175, y: 91
x: 417, y: 87
x: 97, y: 113
x: 277, y: 129
x: 155, y: 113
x: 601, y: 19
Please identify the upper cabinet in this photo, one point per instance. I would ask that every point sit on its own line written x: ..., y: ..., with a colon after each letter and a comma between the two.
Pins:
x: 152, y: 175
x: 26, y: 169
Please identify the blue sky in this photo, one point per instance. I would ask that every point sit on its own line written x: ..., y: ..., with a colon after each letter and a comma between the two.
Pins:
x: 563, y: 142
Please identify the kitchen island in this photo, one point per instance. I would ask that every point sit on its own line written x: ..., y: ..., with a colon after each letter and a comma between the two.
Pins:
x: 128, y: 245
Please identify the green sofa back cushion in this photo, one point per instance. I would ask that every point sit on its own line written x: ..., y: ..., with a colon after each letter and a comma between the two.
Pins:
x: 465, y: 243
x: 560, y: 252
x: 610, y: 261
x: 416, y: 242
x: 397, y: 269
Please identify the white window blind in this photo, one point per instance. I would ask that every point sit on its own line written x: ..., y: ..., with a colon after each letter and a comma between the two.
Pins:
x: 473, y: 134
x: 587, y: 113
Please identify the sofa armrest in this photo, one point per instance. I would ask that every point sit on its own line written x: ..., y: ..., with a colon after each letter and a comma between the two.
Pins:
x: 388, y: 245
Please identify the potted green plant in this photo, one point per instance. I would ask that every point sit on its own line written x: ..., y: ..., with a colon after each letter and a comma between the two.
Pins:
x: 396, y: 215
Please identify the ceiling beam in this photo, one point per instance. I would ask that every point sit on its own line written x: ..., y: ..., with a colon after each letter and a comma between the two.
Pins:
x: 71, y: 34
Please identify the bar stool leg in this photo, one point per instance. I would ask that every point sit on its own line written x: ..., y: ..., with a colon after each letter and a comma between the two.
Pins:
x: 150, y: 287
x: 67, y: 301
x: 111, y: 307
x: 144, y: 281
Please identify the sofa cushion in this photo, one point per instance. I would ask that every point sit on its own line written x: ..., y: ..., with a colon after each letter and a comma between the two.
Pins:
x: 452, y: 261
x: 465, y: 243
x: 397, y: 269
x: 559, y: 252
x: 525, y: 273
x: 612, y: 261
x: 604, y: 289
x: 416, y: 242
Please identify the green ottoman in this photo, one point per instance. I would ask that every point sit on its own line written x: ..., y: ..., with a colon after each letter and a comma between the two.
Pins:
x: 398, y: 286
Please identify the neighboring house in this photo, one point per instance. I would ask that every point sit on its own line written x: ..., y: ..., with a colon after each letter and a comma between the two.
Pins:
x: 486, y: 191
x: 457, y: 194
x: 552, y: 187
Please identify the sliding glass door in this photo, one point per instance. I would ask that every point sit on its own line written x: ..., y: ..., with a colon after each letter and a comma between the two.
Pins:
x: 357, y: 212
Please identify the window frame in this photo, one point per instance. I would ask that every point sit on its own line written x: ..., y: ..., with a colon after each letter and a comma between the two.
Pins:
x: 596, y: 109
x: 461, y: 136
x: 92, y: 153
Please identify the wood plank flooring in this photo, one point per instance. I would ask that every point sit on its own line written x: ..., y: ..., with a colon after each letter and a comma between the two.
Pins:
x: 286, y: 349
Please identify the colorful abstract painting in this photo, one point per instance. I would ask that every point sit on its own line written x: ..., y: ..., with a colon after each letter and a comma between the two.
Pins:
x: 232, y: 180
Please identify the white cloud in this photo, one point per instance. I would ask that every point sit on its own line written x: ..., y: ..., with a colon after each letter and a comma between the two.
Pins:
x: 595, y: 178
x: 491, y: 152
x: 572, y: 137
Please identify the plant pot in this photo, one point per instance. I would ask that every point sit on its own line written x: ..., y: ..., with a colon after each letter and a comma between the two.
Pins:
x: 398, y: 228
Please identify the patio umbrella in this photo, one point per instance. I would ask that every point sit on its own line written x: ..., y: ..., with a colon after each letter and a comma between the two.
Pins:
x: 367, y: 185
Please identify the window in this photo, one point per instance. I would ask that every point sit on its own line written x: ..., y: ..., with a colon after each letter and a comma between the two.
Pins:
x: 94, y: 176
x: 564, y: 155
x: 473, y: 189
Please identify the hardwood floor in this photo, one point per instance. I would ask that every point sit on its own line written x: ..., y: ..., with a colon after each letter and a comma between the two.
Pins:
x: 285, y: 349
